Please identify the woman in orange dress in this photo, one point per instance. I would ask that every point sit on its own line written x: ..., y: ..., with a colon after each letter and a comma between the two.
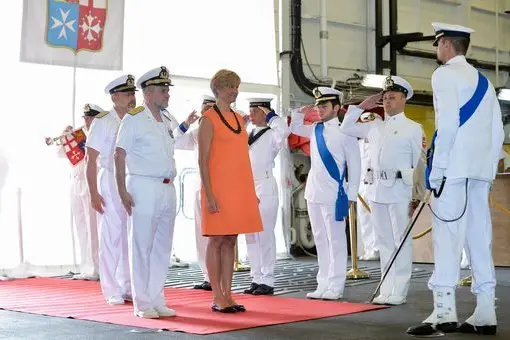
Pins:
x: 228, y: 199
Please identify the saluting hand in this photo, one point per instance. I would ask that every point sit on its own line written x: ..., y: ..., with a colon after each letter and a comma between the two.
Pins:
x: 127, y: 201
x: 97, y: 202
x: 206, y: 107
x: 264, y: 109
x: 212, y: 205
x: 370, y: 102
x: 191, y: 118
x: 307, y: 109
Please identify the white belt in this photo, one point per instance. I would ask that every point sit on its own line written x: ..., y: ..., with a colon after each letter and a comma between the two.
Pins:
x: 387, y: 174
x: 258, y: 175
x: 106, y: 169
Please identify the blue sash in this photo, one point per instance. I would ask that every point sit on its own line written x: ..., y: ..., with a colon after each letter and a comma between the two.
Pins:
x: 342, y: 202
x: 466, y: 112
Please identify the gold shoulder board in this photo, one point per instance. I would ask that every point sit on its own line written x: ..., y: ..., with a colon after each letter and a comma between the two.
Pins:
x: 102, y: 114
x: 136, y: 110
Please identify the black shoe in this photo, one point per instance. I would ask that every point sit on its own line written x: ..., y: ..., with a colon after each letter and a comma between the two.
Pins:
x: 263, y: 290
x: 427, y: 329
x: 252, y: 288
x: 216, y: 308
x: 482, y: 330
x: 204, y: 286
x: 239, y: 308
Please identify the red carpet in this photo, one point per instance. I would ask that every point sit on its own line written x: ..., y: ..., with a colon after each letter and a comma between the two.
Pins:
x: 83, y: 300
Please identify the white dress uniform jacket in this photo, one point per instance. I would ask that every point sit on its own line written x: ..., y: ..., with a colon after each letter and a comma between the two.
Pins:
x: 85, y: 219
x: 150, y: 171
x: 261, y: 246
x: 468, y: 155
x: 321, y: 194
x: 113, y: 257
x: 396, y: 146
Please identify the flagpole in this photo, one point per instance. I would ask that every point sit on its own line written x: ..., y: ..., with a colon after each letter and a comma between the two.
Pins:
x: 73, y: 120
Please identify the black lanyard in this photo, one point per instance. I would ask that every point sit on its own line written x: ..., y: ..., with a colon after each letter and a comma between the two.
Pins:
x: 253, y: 137
x: 224, y: 121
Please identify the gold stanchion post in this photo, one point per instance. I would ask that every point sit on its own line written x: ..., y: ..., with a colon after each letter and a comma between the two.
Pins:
x: 355, y: 273
x: 238, y: 267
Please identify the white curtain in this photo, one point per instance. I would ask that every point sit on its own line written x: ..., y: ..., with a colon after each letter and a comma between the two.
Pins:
x: 193, y: 38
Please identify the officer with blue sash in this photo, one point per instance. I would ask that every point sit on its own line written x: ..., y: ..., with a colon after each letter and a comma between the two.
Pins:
x: 328, y: 193
x: 461, y: 165
x: 395, y: 149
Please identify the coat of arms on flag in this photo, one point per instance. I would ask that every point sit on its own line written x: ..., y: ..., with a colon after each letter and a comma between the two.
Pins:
x: 76, y: 24
x: 75, y: 33
x: 74, y: 146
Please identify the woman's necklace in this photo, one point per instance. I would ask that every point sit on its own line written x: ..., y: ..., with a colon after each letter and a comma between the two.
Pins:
x: 236, y: 131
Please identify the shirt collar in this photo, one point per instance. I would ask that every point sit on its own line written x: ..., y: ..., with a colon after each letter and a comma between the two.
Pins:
x: 397, y: 117
x: 457, y: 59
x: 332, y: 122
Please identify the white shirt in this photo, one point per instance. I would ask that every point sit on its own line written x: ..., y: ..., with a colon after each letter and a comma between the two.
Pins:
x: 471, y: 151
x: 321, y: 188
x: 102, y: 135
x: 149, y: 144
x: 265, y: 149
x: 395, y: 144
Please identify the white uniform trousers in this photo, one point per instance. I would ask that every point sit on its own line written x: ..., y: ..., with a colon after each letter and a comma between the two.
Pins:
x: 113, y: 256
x: 85, y: 224
x: 473, y: 231
x: 151, y: 230
x: 261, y: 246
x: 201, y: 241
x: 331, y: 244
x: 390, y: 221
x: 367, y: 239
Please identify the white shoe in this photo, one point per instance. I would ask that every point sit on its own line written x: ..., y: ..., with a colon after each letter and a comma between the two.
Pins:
x: 485, y: 311
x: 445, y: 310
x: 86, y: 277
x: 115, y: 300
x: 317, y: 294
x: 380, y: 300
x: 395, y: 300
x: 165, y: 311
x: 147, y: 314
x: 331, y: 294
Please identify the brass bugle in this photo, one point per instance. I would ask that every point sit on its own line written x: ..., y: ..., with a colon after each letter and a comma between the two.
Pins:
x: 57, y: 140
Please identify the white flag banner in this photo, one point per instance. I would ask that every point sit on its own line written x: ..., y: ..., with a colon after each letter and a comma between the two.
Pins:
x: 81, y: 33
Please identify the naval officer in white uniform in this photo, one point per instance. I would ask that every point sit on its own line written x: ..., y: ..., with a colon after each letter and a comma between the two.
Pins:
x: 113, y: 257
x: 395, y: 150
x: 189, y: 141
x: 265, y: 141
x: 461, y: 166
x: 145, y: 171
x: 84, y: 216
x: 327, y: 192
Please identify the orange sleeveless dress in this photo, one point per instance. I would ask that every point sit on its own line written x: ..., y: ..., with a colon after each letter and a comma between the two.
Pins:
x: 231, y: 181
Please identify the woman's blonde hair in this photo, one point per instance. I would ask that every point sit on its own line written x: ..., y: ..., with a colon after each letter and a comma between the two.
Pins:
x: 224, y: 78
